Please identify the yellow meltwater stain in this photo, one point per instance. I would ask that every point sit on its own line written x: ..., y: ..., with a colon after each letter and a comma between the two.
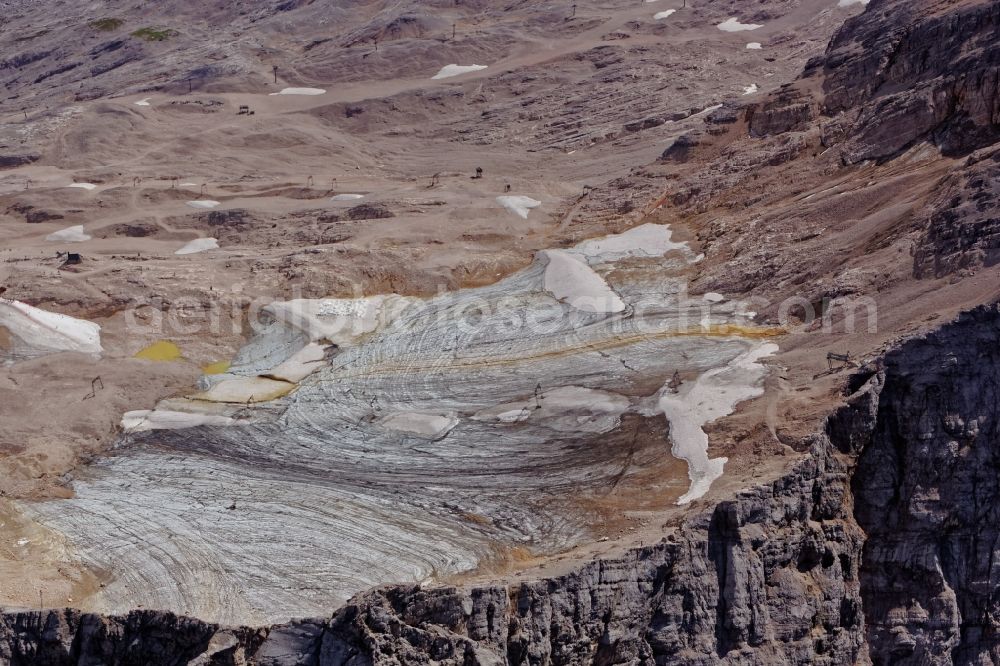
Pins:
x: 216, y: 368
x: 735, y: 330
x: 161, y: 350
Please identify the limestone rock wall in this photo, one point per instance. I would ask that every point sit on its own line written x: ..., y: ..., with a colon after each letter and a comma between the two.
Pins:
x: 905, y: 71
x: 963, y: 229
x: 927, y: 494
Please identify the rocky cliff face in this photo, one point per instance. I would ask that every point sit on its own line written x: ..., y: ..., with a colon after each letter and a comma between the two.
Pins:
x: 927, y: 494
x: 900, y: 73
x: 963, y: 229
x: 909, y: 71
x: 878, y: 545
x: 141, y: 638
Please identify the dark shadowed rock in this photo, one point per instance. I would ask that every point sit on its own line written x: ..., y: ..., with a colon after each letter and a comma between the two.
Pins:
x: 680, y: 149
x: 725, y: 115
x: 235, y: 218
x: 37, y: 216
x: 14, y: 161
x: 64, y: 638
x: 369, y: 211
x: 33, y: 215
x: 132, y: 230
x: 927, y: 494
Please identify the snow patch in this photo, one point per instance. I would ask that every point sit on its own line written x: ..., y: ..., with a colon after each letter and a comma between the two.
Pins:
x: 848, y: 3
x: 143, y: 420
x: 300, y: 91
x: 707, y: 110
x: 713, y: 297
x: 646, y: 240
x: 565, y: 408
x: 199, y: 245
x: 83, y: 186
x: 143, y: 102
x: 431, y: 426
x: 569, y: 279
x: 49, y: 331
x: 246, y: 390
x: 203, y: 203
x: 346, y: 197
x: 750, y: 89
x: 711, y: 396
x: 300, y: 365
x: 754, y: 46
x: 732, y: 24
x: 69, y: 235
x: 664, y: 14
x: 519, y: 205
x: 342, y: 321
x: 456, y: 70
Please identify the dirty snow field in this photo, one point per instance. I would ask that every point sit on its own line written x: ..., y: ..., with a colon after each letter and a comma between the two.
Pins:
x: 387, y: 450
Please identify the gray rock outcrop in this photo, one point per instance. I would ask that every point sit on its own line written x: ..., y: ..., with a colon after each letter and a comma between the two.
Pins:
x: 927, y: 494
x: 963, y: 230
x: 908, y: 71
x: 900, y: 73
